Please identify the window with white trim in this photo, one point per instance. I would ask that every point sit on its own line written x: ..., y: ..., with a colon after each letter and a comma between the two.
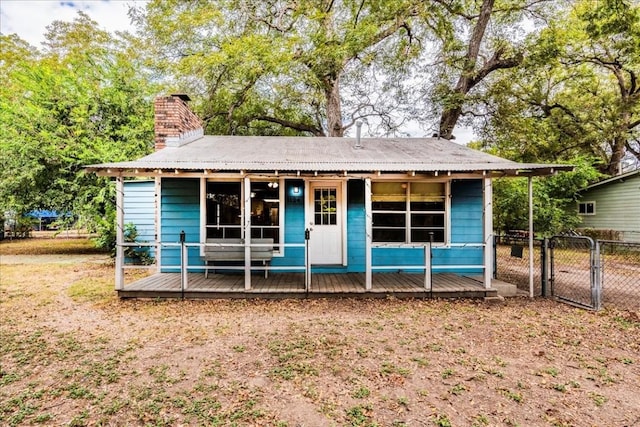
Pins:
x: 587, y: 208
x: 265, y: 210
x: 224, y: 210
x: 408, y: 212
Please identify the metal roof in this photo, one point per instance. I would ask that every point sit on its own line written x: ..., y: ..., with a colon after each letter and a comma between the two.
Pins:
x: 314, y: 154
x: 616, y: 178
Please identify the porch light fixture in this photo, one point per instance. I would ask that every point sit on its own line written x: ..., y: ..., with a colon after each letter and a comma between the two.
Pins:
x: 296, y: 190
x: 273, y: 184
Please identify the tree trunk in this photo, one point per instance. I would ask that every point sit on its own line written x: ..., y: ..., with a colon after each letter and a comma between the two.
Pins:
x: 448, y: 121
x: 617, y: 154
x: 334, y: 110
x: 453, y: 111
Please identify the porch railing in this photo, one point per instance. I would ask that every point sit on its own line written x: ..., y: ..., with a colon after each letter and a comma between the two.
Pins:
x: 185, y: 255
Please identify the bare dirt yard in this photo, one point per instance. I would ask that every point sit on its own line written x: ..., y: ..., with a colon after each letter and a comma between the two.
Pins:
x: 72, y: 353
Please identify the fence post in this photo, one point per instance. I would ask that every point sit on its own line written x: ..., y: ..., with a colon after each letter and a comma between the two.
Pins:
x: 544, y: 267
x: 495, y: 255
x: 183, y: 264
x: 552, y: 272
x: 597, y: 283
x: 307, y: 266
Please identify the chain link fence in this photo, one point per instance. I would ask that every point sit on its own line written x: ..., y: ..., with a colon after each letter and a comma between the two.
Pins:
x: 511, y: 262
x: 620, y: 274
x: 575, y: 269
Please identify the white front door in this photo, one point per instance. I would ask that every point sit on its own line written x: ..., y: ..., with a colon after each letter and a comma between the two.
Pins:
x: 325, y: 222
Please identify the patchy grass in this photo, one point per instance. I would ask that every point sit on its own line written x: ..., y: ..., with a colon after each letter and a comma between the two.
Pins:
x: 71, y: 353
x: 93, y: 289
x: 49, y: 244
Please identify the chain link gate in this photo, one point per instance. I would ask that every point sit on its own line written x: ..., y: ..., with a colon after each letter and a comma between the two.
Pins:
x: 575, y: 271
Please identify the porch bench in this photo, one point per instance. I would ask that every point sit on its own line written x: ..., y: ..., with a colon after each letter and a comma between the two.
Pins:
x: 216, y: 252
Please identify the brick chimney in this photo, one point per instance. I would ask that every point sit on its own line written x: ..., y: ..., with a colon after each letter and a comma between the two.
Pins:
x: 175, y: 123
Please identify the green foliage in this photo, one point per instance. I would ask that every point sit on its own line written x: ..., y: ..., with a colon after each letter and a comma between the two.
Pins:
x: 83, y: 100
x: 282, y: 68
x: 554, y: 199
x: 105, y: 227
x: 138, y: 255
x: 576, y: 93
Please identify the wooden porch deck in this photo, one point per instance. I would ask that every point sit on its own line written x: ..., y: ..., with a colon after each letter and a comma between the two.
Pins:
x: 291, y: 285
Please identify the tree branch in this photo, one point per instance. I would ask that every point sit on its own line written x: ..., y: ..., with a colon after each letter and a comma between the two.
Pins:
x: 302, y: 127
x: 357, y: 17
x: 241, y: 96
x: 495, y: 63
x: 631, y: 149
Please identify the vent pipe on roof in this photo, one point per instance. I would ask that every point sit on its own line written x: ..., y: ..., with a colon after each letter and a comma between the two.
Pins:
x: 358, y: 131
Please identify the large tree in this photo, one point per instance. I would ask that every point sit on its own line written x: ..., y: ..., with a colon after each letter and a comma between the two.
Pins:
x: 81, y: 100
x: 577, y: 94
x: 284, y: 66
x: 474, y: 41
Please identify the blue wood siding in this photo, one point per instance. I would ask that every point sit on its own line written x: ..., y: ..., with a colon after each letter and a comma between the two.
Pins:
x: 139, y: 209
x: 355, y: 226
x: 467, y: 226
x: 293, y: 226
x: 180, y: 211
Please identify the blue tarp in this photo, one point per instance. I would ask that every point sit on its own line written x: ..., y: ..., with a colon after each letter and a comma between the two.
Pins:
x: 43, y: 213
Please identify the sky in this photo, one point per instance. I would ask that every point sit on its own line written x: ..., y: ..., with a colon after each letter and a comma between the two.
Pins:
x: 29, y: 19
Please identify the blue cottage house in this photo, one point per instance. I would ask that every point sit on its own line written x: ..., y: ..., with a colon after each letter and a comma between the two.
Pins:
x: 259, y: 216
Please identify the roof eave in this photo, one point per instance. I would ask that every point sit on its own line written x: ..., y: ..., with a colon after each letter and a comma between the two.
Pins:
x: 120, y: 170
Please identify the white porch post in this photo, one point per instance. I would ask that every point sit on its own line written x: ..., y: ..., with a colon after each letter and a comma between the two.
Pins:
x: 203, y: 213
x: 246, y: 209
x: 119, y: 233
x: 368, y: 233
x: 488, y: 232
x: 531, y: 237
x: 158, y: 222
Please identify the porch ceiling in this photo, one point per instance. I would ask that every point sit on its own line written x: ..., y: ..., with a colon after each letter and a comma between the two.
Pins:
x: 323, y: 155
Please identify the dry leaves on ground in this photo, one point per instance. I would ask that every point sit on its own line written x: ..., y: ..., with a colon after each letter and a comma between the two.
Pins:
x: 71, y: 353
